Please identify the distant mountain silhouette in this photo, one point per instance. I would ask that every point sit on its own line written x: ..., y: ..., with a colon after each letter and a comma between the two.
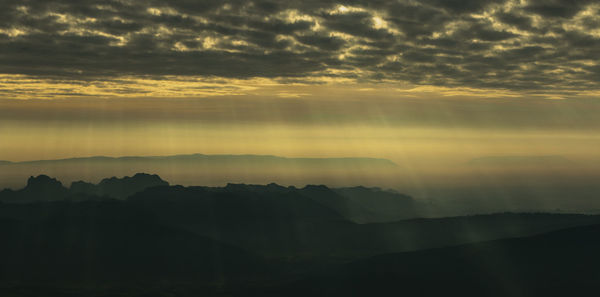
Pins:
x: 44, y: 188
x: 40, y: 188
x: 44, y: 185
x: 358, y: 204
x: 207, y: 169
x: 277, y: 221
x: 119, y: 187
x: 236, y: 159
x: 376, y: 205
x: 272, y: 220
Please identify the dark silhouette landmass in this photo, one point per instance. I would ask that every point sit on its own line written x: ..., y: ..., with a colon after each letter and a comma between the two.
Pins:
x: 219, y: 159
x: 40, y: 188
x: 45, y: 188
x: 119, y: 187
x: 204, y: 169
x: 374, y: 204
x: 111, y: 241
x: 359, y: 204
x: 139, y: 236
x: 560, y: 263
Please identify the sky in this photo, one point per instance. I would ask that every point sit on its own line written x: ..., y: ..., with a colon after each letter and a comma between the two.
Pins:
x: 182, y: 48
x: 431, y: 85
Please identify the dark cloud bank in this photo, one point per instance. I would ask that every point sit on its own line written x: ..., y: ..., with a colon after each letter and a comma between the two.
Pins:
x: 483, y: 44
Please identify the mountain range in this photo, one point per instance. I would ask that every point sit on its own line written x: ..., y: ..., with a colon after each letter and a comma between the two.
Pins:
x: 140, y: 236
x: 213, y: 170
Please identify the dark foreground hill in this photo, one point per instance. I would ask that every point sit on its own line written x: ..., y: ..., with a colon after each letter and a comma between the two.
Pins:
x: 561, y: 263
x: 67, y: 256
x: 110, y: 241
x: 252, y: 239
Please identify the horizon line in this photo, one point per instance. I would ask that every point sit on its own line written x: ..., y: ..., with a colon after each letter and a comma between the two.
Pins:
x: 7, y: 162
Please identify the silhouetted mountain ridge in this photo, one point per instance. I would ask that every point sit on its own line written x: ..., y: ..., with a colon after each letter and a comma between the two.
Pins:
x: 244, y: 239
x: 213, y: 170
x: 38, y: 188
x: 216, y: 158
x: 278, y: 221
x: 119, y: 187
x: 45, y: 188
x: 377, y: 205
x: 358, y: 204
x: 283, y: 222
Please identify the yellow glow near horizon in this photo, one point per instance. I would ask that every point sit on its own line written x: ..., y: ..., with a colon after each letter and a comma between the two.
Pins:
x: 26, y: 87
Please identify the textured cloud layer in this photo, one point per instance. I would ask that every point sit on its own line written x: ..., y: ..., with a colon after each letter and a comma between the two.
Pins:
x: 490, y: 44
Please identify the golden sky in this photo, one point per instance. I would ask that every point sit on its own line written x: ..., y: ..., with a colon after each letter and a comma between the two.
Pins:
x: 416, y: 129
x: 124, y: 48
x: 427, y: 84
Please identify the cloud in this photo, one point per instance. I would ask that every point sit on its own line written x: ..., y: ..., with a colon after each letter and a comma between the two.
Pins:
x: 502, y: 44
x: 556, y: 8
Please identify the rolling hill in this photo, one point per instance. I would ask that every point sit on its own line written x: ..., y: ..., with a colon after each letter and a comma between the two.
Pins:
x: 560, y: 263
